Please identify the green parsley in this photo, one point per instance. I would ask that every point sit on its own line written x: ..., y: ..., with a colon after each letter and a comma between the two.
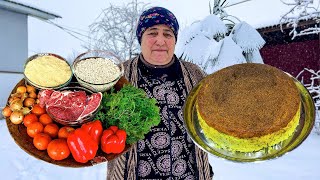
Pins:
x: 131, y: 110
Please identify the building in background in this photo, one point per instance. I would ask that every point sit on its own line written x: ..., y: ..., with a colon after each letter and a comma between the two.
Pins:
x: 14, y: 42
x: 14, y: 33
x: 291, y: 55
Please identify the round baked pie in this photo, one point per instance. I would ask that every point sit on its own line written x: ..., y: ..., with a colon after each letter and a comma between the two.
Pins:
x: 248, y: 107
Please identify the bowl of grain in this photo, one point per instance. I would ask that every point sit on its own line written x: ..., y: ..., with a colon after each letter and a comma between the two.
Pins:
x: 98, y: 71
x: 47, y: 71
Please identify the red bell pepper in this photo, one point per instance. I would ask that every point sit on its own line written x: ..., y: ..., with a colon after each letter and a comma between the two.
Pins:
x: 94, y: 129
x: 82, y: 147
x: 113, y: 140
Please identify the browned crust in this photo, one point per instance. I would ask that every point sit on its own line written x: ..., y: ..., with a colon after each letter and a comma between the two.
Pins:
x: 248, y: 100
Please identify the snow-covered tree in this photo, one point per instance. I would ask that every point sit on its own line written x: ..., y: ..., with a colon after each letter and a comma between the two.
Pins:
x: 218, y: 41
x: 313, y: 87
x: 114, y: 29
x: 301, y: 10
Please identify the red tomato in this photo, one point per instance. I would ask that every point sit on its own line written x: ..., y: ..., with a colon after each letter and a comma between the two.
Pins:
x: 36, y: 109
x: 41, y: 141
x: 29, y: 118
x: 34, y: 128
x: 51, y: 129
x: 58, y: 149
x: 65, y: 131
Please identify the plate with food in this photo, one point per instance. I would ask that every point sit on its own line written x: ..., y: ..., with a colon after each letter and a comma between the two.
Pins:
x: 55, y: 119
x: 249, y: 112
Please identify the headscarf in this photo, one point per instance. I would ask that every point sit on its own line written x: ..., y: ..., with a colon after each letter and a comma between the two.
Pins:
x: 155, y: 16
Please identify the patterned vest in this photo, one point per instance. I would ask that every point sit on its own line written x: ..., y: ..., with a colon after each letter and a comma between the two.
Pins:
x: 167, y: 152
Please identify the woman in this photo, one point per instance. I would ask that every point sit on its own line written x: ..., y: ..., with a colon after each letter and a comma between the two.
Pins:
x: 167, y: 152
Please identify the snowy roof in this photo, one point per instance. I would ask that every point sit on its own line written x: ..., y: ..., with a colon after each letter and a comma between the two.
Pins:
x: 276, y: 26
x: 24, y: 8
x: 261, y: 14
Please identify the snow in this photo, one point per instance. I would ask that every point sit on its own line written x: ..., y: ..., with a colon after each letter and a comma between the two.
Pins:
x: 209, y: 49
x: 216, y: 48
x: 212, y: 26
x: 33, y: 6
x: 230, y: 54
x: 301, y: 163
x: 247, y: 37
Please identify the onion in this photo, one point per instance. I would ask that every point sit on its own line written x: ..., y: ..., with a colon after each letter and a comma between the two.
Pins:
x: 6, y: 112
x: 25, y: 110
x: 16, y: 105
x: 17, y: 94
x: 28, y: 102
x: 30, y: 89
x: 24, y: 96
x: 33, y: 95
x: 21, y: 89
x: 11, y: 99
x: 16, y: 117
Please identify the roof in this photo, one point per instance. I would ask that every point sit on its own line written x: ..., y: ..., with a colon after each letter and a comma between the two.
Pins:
x: 262, y: 14
x: 276, y: 27
x: 23, y: 8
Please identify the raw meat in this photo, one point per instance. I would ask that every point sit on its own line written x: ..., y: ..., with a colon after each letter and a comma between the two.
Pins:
x: 70, y: 105
x: 44, y: 95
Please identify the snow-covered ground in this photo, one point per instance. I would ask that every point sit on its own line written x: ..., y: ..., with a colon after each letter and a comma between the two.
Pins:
x: 15, y: 164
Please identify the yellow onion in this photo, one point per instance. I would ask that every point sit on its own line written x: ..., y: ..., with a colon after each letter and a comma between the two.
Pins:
x: 16, y: 117
x: 28, y: 102
x: 16, y: 105
x: 25, y: 110
x: 30, y: 89
x: 24, y: 96
x: 17, y: 94
x: 21, y: 89
x: 33, y: 95
x: 6, y: 112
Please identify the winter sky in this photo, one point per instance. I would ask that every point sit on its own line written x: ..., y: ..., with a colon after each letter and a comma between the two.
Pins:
x: 78, y: 15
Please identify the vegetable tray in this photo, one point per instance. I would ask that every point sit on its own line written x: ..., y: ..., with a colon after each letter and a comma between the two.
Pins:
x: 25, y: 142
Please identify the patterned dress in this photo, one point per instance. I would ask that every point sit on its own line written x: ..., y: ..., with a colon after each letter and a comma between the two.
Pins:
x: 167, y: 152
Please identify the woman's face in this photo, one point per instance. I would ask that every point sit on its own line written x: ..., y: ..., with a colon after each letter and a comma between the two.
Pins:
x: 157, y: 44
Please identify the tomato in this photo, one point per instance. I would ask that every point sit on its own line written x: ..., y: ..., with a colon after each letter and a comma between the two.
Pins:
x: 65, y: 131
x: 45, y: 119
x: 29, y: 118
x: 34, y: 128
x: 51, y: 129
x: 41, y: 141
x: 36, y: 109
x: 58, y: 149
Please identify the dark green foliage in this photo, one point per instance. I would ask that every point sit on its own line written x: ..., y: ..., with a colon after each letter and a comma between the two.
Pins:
x: 131, y: 110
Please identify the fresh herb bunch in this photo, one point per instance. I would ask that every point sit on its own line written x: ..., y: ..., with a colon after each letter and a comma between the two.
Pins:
x: 131, y: 110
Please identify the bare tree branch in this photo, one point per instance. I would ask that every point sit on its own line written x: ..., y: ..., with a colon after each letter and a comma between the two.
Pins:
x: 114, y: 29
x: 301, y: 10
x: 314, y: 89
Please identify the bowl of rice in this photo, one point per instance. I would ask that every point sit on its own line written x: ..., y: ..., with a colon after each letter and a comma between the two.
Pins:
x: 98, y: 71
x: 47, y: 71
